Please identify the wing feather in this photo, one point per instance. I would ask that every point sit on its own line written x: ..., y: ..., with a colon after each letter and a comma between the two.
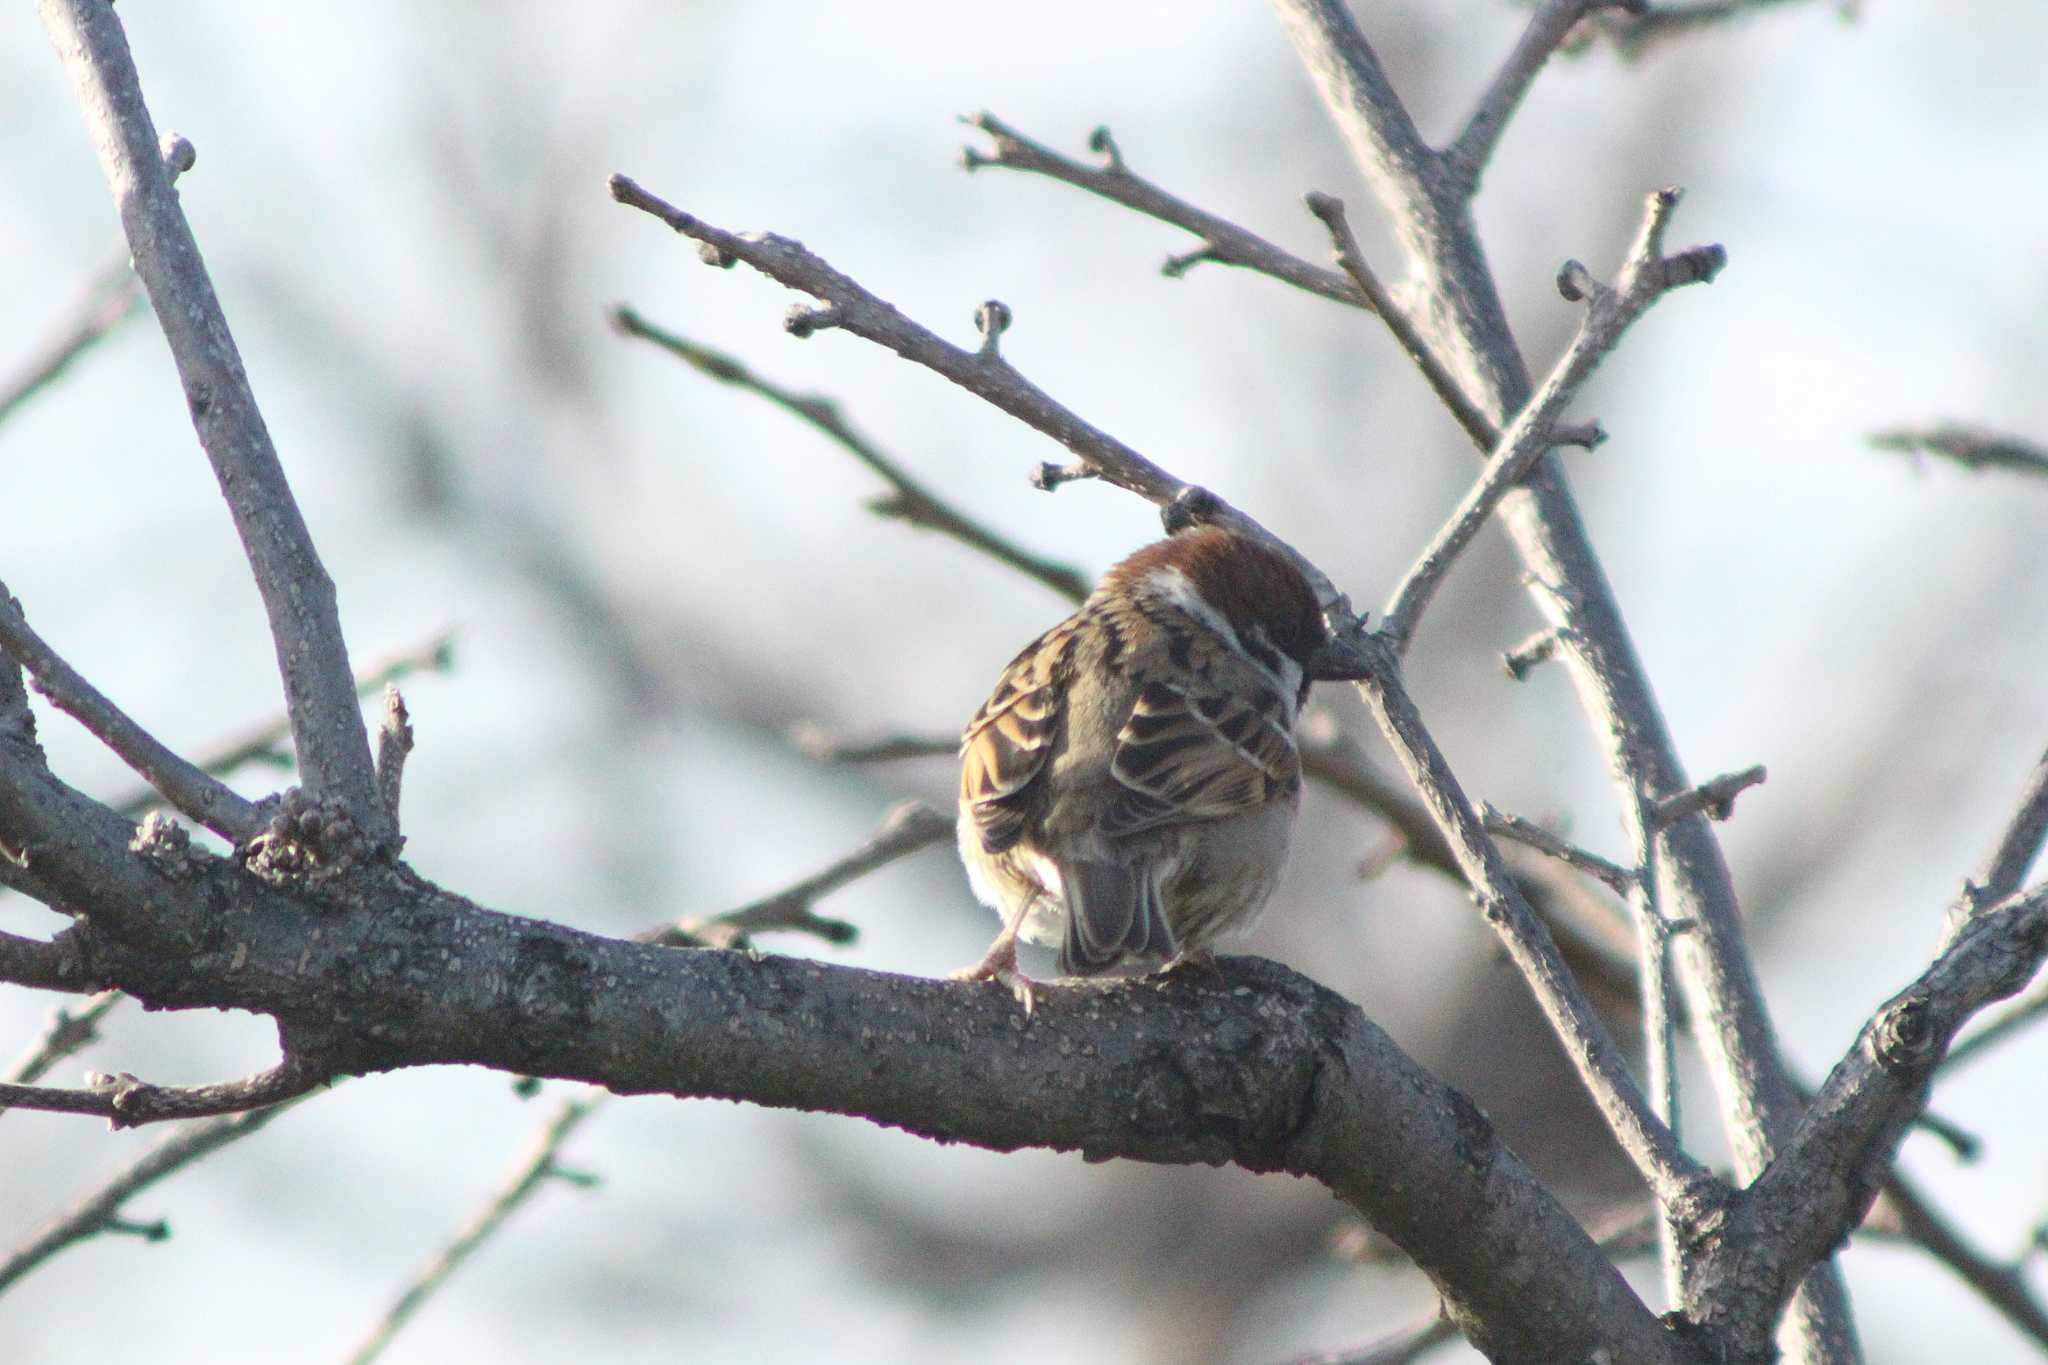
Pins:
x: 1190, y: 752
x: 1007, y: 743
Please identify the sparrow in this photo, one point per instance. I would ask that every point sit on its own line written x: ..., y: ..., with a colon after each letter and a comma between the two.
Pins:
x: 1128, y: 790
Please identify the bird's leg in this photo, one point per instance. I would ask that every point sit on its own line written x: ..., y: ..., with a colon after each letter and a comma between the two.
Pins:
x: 1200, y: 961
x: 999, y: 963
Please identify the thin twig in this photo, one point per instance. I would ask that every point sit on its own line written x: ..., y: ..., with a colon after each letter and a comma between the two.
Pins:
x: 2001, y: 1027
x: 126, y: 1102
x: 906, y: 829
x: 66, y: 1033
x: 911, y: 501
x: 186, y: 787
x: 1716, y: 797
x: 1553, y: 20
x: 1615, y: 877
x: 1646, y: 276
x: 1402, y: 1347
x: 267, y: 740
x: 848, y: 306
x: 820, y: 745
x: 332, y: 741
x: 99, y: 1211
x: 2018, y: 844
x: 2002, y: 1284
x: 394, y: 742
x: 1646, y: 27
x: 110, y: 298
x: 1351, y: 258
x: 1223, y: 241
x: 535, y: 1167
x: 1974, y: 448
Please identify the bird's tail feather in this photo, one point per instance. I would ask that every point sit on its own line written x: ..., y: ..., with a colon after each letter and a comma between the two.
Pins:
x: 1113, y: 913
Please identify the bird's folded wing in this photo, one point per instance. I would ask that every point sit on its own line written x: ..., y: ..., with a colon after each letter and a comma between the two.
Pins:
x: 1009, y: 739
x: 1198, y: 752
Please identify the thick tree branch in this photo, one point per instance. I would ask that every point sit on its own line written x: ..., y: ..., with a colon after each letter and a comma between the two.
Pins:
x: 1824, y: 1177
x: 2002, y: 1027
x: 1260, y: 1066
x: 1459, y: 311
x: 327, y: 726
x: 35, y: 962
x: 911, y: 501
x: 186, y: 787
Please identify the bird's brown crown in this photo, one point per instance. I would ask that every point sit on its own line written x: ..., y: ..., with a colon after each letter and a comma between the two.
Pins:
x: 1248, y: 583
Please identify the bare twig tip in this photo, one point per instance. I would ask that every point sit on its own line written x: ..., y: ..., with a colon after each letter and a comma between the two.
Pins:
x: 802, y: 320
x: 1048, y: 477
x: 1103, y: 144
x: 1575, y: 282
x: 1181, y: 262
x: 992, y: 319
x: 1695, y: 265
x: 178, y: 152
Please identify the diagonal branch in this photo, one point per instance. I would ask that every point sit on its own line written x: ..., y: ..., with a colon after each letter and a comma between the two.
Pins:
x: 1223, y: 241
x: 1683, y: 1188
x: 2017, y: 847
x: 909, y: 828
x: 100, y: 1211
x: 110, y: 299
x: 64, y: 1034
x: 48, y: 965
x: 298, y: 596
x: 1646, y: 276
x: 984, y: 372
x: 199, y: 796
x: 1459, y: 308
x: 911, y: 502
x: 1827, y: 1172
x: 1548, y: 28
x: 535, y: 1167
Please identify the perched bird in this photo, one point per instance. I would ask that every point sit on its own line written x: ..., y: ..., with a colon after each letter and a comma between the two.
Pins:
x: 1128, y: 790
